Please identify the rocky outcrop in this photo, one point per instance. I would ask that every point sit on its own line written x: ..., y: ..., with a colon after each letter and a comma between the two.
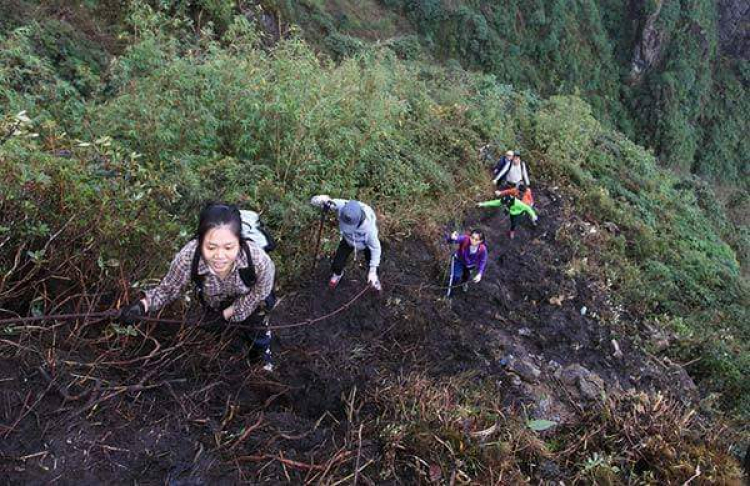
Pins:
x: 268, y: 21
x: 733, y: 34
x: 649, y: 48
x: 734, y: 28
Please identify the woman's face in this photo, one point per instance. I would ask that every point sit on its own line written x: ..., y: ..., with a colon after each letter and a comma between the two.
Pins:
x: 220, y: 249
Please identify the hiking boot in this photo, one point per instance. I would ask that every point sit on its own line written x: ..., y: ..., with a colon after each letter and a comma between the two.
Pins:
x: 465, y: 286
x: 376, y: 285
x: 334, y: 280
x: 268, y: 367
x: 511, y: 234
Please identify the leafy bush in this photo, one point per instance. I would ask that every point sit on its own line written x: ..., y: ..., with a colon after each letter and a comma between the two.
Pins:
x: 84, y: 213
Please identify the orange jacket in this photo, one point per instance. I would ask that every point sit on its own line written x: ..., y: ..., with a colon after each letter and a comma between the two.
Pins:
x: 528, y: 197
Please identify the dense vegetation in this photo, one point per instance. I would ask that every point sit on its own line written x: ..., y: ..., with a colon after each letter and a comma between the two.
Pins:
x: 585, y: 48
x: 110, y: 146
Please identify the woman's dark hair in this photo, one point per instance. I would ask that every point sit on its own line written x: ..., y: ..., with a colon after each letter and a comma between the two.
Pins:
x: 478, y: 232
x: 214, y: 215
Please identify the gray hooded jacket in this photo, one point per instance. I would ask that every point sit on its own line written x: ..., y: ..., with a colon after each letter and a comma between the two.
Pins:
x: 364, y: 235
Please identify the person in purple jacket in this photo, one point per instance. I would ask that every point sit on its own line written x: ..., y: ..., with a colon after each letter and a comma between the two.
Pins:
x: 471, y: 255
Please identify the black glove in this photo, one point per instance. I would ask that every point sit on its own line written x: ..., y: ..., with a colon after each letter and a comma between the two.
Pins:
x: 132, y: 313
x: 212, y: 317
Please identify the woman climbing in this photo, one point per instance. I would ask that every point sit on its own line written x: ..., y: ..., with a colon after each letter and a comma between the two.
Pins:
x: 232, y: 276
x: 359, y: 231
x: 471, y: 256
x: 515, y: 208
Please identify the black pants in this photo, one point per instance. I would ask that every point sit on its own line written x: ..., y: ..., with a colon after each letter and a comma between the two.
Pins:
x: 257, y: 336
x: 342, y: 255
x: 516, y: 219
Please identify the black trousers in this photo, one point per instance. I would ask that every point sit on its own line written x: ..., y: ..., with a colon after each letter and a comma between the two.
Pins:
x: 258, y: 336
x: 342, y: 255
x: 516, y: 220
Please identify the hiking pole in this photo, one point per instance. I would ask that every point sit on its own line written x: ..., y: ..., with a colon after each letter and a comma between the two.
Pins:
x: 450, y: 282
x: 326, y: 207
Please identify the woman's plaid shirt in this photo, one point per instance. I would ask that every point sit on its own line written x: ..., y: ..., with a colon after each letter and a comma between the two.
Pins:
x: 215, y: 290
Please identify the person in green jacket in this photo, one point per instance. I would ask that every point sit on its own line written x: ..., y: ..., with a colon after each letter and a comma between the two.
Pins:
x: 515, y: 208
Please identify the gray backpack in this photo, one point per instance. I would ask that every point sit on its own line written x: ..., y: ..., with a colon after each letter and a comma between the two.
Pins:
x: 254, y: 230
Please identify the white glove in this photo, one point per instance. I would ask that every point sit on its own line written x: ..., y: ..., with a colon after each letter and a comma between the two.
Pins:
x: 478, y: 278
x: 372, y: 278
x: 320, y: 200
x: 454, y: 235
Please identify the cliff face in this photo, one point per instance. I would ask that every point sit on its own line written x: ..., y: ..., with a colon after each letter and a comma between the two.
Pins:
x: 734, y: 28
x: 733, y: 34
x: 649, y: 46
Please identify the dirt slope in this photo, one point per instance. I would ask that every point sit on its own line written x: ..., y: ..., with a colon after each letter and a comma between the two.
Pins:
x: 179, y: 406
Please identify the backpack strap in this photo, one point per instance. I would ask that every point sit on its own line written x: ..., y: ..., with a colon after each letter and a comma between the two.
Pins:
x: 195, y: 277
x: 247, y: 274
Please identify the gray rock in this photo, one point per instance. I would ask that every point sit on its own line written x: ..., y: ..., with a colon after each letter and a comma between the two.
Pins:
x: 526, y: 370
x: 591, y: 387
x: 588, y: 383
x: 543, y: 409
x: 571, y: 373
x: 549, y: 469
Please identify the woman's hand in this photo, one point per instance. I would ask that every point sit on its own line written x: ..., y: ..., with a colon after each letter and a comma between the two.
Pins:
x: 228, y: 312
x: 133, y: 312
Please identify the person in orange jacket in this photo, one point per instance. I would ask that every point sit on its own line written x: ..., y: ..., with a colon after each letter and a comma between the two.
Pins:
x: 521, y: 192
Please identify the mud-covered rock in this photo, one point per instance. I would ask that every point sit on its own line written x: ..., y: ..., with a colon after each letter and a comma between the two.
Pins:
x: 591, y: 387
x: 589, y: 384
x: 525, y: 370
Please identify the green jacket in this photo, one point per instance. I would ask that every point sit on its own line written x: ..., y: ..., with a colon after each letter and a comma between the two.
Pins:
x: 516, y: 209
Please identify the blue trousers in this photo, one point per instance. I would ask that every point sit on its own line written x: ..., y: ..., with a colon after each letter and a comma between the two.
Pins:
x: 460, y: 271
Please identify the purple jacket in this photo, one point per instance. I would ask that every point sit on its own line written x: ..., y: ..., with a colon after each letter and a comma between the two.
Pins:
x: 478, y: 259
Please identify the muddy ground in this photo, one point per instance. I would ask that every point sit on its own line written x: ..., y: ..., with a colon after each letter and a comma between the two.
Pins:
x: 181, y: 406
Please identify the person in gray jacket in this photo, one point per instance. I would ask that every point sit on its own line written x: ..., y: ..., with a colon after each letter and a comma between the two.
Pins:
x: 359, y: 231
x: 513, y: 172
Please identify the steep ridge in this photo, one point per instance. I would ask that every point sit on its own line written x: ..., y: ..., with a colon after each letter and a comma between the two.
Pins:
x: 192, y: 411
